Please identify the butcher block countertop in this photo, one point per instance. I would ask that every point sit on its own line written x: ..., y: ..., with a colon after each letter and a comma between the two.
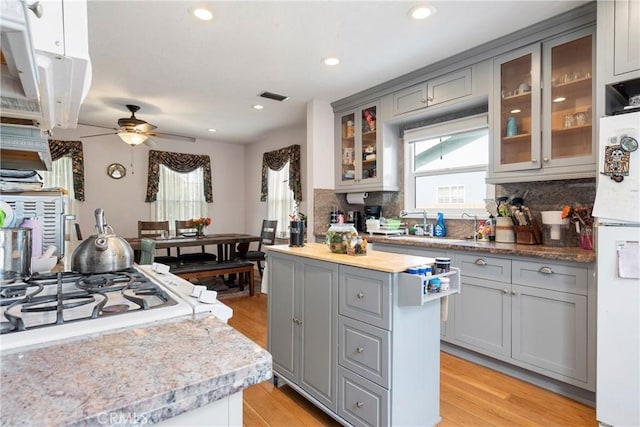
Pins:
x: 373, y: 260
x: 151, y: 373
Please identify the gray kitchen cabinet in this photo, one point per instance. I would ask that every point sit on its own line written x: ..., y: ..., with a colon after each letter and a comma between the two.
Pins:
x: 302, y: 325
x: 375, y: 335
x: 534, y: 314
x: 448, y: 87
x: 361, y: 154
x: 542, y: 111
x: 618, y: 40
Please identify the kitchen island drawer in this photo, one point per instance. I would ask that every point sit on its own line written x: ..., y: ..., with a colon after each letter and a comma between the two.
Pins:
x: 365, y: 295
x: 556, y: 277
x: 361, y: 402
x: 364, y: 349
x: 484, y: 267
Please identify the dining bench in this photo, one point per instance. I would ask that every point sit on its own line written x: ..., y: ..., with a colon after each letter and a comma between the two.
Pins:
x: 205, y: 269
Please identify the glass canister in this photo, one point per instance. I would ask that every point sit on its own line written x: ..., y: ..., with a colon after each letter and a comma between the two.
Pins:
x: 340, y: 237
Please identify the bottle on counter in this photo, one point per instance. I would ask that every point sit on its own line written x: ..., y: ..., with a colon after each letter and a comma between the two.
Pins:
x: 440, y: 230
x: 36, y: 235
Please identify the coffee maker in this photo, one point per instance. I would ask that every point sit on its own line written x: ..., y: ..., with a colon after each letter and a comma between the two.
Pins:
x: 372, y: 212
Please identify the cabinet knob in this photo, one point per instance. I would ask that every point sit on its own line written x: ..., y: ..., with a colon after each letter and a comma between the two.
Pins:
x: 360, y: 295
x: 36, y: 8
x: 359, y: 404
x: 514, y: 293
x: 423, y: 100
x: 505, y: 291
x: 545, y: 159
x: 430, y: 98
x: 545, y: 270
x: 360, y: 350
x: 534, y: 160
x: 480, y: 261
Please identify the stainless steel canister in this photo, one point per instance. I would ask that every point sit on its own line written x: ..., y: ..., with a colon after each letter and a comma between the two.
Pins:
x: 15, y: 254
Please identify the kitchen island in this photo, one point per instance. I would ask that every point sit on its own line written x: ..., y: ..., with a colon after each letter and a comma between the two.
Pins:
x: 356, y: 335
x: 183, y: 371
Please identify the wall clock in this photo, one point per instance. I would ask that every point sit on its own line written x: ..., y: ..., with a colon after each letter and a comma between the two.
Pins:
x: 116, y: 170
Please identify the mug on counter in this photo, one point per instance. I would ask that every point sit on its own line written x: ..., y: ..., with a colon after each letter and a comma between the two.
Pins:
x: 504, y: 230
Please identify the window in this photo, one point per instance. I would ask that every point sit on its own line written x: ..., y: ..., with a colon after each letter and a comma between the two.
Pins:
x: 447, y: 166
x: 280, y: 201
x: 180, y: 196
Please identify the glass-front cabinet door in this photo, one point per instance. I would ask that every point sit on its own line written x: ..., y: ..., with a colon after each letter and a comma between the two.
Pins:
x: 518, y: 117
x: 358, y: 149
x: 567, y: 129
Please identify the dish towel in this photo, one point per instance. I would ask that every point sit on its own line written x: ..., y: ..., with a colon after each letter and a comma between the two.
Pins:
x: 264, y: 285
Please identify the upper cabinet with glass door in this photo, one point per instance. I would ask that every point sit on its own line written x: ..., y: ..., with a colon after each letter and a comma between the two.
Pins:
x: 359, y: 154
x: 542, y: 122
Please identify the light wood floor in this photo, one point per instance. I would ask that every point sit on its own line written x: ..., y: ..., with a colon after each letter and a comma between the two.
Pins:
x: 470, y: 395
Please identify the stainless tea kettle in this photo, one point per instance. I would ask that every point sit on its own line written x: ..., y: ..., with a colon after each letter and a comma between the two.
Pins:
x: 103, y: 252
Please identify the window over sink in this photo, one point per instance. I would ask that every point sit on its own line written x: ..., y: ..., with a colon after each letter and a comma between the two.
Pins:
x: 446, y: 167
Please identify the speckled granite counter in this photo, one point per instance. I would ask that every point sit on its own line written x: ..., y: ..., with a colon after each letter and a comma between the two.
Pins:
x: 151, y: 373
x: 572, y: 254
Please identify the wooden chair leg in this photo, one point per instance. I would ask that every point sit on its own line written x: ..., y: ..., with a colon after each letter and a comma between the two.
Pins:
x: 260, y: 267
x: 252, y: 284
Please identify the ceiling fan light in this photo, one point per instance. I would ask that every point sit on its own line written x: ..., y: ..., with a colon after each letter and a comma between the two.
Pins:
x: 133, y: 138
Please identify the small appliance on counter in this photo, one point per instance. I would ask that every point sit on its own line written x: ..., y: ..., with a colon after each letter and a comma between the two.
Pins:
x: 373, y: 212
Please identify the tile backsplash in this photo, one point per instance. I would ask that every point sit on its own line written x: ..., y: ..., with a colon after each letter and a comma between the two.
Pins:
x: 539, y: 196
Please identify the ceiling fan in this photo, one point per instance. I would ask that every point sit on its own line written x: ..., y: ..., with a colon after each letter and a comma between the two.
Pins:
x: 134, y: 131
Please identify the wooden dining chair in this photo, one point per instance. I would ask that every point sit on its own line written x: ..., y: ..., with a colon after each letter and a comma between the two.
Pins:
x: 267, y: 237
x: 155, y: 229
x: 185, y: 227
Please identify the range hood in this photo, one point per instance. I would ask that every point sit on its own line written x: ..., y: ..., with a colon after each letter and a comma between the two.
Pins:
x: 23, y: 147
x: 46, y: 71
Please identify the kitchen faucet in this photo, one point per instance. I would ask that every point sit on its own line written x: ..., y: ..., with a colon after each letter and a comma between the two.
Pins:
x: 475, y: 224
x: 428, y: 228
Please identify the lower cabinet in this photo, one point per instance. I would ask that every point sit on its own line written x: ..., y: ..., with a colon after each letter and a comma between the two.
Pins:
x: 303, y: 325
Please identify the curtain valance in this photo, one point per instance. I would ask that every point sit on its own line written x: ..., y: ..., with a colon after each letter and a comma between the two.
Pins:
x: 178, y: 162
x: 275, y: 160
x: 73, y: 149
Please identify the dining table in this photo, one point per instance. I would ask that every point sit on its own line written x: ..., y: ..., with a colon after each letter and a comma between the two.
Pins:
x: 225, y: 242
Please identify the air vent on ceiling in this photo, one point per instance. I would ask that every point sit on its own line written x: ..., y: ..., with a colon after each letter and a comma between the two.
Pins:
x: 274, y: 96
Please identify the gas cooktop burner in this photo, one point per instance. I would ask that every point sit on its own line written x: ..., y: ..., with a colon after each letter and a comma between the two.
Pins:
x: 56, y: 298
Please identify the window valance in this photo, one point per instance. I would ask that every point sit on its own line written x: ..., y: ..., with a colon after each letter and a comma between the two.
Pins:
x: 275, y: 160
x: 178, y: 162
x: 73, y: 149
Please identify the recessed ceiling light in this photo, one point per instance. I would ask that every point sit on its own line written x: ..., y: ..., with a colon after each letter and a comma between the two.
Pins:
x: 258, y: 107
x: 560, y: 99
x: 212, y: 130
x: 202, y: 13
x: 517, y: 110
x: 330, y: 61
x: 421, y: 12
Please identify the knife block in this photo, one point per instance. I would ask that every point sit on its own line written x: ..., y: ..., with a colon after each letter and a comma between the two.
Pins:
x: 528, y: 234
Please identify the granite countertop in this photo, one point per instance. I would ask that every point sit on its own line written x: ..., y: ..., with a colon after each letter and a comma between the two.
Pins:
x: 373, y: 260
x: 572, y: 254
x: 144, y: 374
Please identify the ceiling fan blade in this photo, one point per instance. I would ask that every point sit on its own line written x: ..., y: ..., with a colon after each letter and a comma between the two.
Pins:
x: 98, y: 126
x: 171, y: 136
x: 100, y: 134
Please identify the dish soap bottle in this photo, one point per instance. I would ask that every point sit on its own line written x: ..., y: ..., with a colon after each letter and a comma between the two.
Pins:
x: 440, y: 230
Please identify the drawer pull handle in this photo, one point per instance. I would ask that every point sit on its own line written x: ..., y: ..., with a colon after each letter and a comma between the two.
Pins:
x: 546, y: 270
x: 359, y: 404
x: 480, y: 261
x: 360, y: 295
x: 360, y: 350
x: 505, y: 291
x: 296, y: 321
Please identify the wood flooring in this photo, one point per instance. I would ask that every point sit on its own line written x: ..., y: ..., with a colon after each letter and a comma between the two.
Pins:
x: 470, y: 395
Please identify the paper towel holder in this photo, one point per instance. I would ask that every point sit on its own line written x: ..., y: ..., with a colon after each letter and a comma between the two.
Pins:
x: 356, y: 198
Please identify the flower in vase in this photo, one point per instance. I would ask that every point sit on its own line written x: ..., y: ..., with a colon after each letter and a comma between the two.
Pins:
x: 199, y: 224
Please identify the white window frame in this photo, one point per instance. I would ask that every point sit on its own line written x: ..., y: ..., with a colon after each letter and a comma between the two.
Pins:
x: 171, y: 211
x: 434, y: 131
x: 280, y: 201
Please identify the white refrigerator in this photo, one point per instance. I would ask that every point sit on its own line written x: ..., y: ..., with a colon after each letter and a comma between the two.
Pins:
x: 617, y: 212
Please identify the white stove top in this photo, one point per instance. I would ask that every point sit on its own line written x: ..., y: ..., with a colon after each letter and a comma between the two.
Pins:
x: 179, y: 303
